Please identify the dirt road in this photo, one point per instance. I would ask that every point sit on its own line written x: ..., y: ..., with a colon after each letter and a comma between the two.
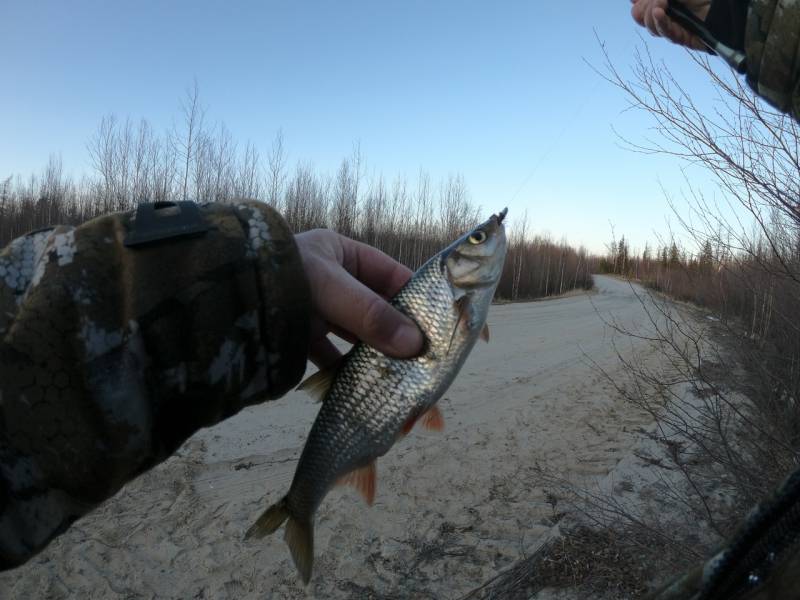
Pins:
x: 452, y: 509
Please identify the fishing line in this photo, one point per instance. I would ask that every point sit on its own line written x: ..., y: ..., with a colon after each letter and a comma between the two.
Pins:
x: 554, y: 144
x: 586, y: 97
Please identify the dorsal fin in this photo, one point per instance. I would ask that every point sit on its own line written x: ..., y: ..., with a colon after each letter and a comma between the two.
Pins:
x: 319, y: 383
x: 364, y: 480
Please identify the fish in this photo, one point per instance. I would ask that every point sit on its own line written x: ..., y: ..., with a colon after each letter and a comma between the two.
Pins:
x: 370, y: 400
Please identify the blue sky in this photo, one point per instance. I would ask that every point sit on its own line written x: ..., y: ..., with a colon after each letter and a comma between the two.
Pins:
x: 498, y: 92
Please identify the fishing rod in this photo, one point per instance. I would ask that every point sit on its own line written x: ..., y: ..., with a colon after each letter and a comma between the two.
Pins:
x: 687, y: 19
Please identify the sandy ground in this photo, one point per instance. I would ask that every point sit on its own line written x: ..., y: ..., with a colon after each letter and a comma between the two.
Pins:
x: 452, y: 509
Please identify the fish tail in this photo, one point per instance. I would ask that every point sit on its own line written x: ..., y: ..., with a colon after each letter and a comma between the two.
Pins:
x: 299, y: 536
x: 269, y: 521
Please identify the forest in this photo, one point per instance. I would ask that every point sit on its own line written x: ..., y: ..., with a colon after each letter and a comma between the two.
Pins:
x: 408, y: 219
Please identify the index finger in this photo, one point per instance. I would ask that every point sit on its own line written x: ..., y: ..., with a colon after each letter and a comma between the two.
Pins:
x: 350, y: 305
x: 674, y: 31
x: 378, y: 271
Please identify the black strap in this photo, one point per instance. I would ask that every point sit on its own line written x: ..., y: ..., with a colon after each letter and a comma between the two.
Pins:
x: 159, y: 221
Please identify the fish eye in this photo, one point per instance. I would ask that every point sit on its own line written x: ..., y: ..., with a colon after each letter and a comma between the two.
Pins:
x: 477, y: 237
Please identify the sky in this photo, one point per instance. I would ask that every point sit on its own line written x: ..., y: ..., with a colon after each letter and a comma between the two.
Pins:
x: 503, y: 93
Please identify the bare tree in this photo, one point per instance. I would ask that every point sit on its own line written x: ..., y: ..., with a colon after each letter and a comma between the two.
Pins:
x: 726, y: 406
x: 344, y: 206
x: 186, y: 139
x: 753, y: 154
x: 135, y: 164
x: 101, y: 154
x: 276, y: 165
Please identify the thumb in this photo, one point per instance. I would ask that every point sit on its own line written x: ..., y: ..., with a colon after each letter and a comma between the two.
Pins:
x: 352, y: 306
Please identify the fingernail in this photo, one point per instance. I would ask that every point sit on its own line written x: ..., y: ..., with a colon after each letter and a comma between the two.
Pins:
x: 407, y: 340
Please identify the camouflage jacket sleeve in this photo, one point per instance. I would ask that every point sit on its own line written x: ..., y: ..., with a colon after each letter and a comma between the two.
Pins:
x: 110, y: 357
x: 772, y: 44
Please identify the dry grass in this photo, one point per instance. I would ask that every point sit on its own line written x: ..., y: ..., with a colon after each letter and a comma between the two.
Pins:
x: 590, y: 563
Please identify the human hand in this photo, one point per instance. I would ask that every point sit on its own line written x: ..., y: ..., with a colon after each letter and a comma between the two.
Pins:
x: 349, y: 283
x: 653, y: 15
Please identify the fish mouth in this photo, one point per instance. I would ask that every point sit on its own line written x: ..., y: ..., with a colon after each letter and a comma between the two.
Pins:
x: 501, y: 215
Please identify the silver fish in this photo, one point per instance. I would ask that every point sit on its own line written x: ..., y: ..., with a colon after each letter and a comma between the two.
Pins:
x: 371, y: 400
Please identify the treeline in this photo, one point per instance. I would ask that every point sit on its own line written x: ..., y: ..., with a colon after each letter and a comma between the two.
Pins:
x: 410, y: 221
x: 753, y: 289
x: 537, y: 267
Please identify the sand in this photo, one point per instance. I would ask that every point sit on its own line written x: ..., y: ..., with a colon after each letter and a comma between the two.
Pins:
x: 453, y: 509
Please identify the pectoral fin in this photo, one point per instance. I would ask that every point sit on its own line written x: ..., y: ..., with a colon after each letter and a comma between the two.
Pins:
x: 462, y: 309
x: 485, y: 333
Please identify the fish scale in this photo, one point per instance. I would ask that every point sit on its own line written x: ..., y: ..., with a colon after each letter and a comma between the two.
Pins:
x: 372, y: 399
x: 404, y: 387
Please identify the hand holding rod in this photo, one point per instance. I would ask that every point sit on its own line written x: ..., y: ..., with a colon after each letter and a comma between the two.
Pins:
x: 687, y: 19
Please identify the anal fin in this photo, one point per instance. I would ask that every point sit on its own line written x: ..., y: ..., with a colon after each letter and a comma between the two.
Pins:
x: 364, y: 480
x: 433, y: 420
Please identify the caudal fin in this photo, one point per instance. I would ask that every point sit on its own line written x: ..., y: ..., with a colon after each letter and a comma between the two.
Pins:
x: 299, y: 536
x: 269, y: 521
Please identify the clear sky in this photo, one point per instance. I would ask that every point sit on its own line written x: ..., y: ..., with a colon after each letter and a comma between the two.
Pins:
x: 497, y: 91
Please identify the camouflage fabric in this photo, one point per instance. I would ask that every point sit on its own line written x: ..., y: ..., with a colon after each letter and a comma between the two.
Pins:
x: 762, y: 561
x: 110, y: 357
x: 772, y: 43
